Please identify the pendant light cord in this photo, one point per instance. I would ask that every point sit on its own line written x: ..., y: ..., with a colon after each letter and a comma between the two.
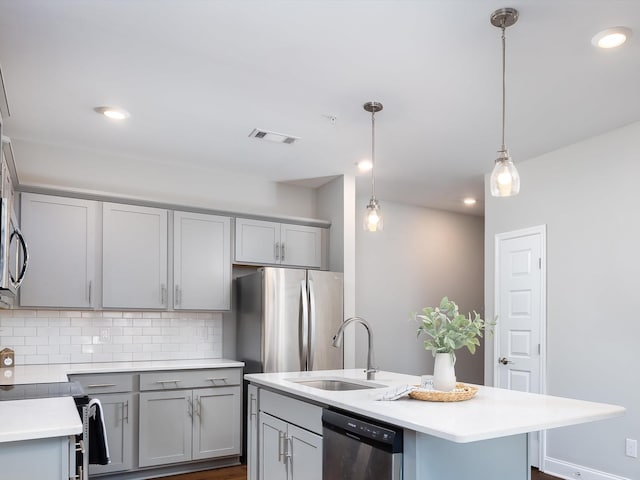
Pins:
x: 373, y: 154
x: 504, y: 86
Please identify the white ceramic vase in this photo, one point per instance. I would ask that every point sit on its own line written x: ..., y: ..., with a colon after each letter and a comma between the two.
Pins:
x: 444, y: 374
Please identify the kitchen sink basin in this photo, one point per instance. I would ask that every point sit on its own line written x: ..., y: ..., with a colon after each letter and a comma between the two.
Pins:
x: 335, y: 384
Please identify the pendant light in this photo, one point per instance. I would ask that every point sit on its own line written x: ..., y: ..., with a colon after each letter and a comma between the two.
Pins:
x: 505, y: 180
x: 373, y: 214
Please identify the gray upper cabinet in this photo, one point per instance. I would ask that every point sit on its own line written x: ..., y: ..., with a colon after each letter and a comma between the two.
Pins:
x: 61, y: 236
x: 134, y: 257
x: 201, y: 262
x: 263, y: 242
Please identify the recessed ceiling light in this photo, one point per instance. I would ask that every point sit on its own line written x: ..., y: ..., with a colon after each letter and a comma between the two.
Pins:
x: 365, y: 165
x: 469, y: 201
x: 275, y: 137
x: 114, y: 113
x: 611, y: 37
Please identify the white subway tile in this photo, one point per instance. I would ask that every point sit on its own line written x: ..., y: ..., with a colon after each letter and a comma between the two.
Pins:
x: 36, y: 322
x: 59, y: 322
x: 26, y: 350
x: 24, y: 313
x: 61, y: 358
x: 122, y: 357
x: 48, y: 331
x: 71, y: 314
x: 80, y: 322
x: 111, y: 314
x: 36, y: 340
x: 141, y: 322
x: 59, y: 340
x: 48, y: 349
x: 72, y: 331
x: 47, y: 313
x: 112, y: 348
x: 102, y: 357
x: 161, y: 322
x: 132, y: 331
x: 151, y: 314
x: 168, y: 347
x: 148, y: 347
x: 151, y: 331
x: 91, y: 314
x: 122, y: 322
x: 141, y: 356
x: 81, y: 339
x: 132, y: 315
x: 91, y: 348
x: 81, y: 357
x: 35, y: 359
x: 12, y: 322
x: 142, y: 339
x: 12, y: 341
x: 132, y: 347
x: 70, y: 349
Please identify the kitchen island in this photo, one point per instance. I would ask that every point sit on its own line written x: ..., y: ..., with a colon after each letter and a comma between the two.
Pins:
x: 485, y: 437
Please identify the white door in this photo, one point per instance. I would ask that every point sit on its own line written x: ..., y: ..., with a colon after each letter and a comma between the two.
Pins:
x: 202, y: 261
x: 61, y: 237
x: 520, y: 306
x: 300, y: 246
x: 257, y: 241
x: 134, y: 257
x: 306, y: 454
x: 272, y: 459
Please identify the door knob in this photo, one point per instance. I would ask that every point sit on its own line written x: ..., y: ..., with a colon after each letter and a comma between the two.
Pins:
x: 504, y: 361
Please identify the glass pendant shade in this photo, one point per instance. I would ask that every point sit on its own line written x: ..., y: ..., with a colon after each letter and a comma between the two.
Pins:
x: 505, y: 180
x: 373, y: 221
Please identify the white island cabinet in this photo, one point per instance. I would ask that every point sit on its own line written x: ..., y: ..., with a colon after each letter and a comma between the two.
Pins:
x: 485, y: 437
x: 37, y: 439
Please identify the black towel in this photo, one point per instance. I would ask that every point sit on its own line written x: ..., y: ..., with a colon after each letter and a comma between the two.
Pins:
x: 98, y: 446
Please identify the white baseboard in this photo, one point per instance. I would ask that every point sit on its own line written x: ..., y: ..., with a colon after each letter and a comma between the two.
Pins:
x: 570, y: 471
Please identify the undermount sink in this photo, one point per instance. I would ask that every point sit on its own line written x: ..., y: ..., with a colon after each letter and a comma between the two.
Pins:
x: 335, y: 384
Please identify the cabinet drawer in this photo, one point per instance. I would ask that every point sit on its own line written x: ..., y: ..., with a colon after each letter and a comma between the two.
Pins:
x: 172, y: 379
x: 303, y: 414
x: 106, y: 383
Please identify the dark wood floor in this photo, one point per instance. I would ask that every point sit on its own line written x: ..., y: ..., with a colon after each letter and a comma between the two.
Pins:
x: 240, y: 473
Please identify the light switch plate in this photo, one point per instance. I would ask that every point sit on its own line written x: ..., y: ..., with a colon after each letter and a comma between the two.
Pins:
x: 631, y: 448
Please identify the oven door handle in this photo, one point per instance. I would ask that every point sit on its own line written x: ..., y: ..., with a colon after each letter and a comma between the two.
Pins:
x: 25, y: 255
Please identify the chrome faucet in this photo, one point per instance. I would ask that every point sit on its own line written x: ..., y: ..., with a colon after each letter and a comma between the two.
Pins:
x: 337, y: 342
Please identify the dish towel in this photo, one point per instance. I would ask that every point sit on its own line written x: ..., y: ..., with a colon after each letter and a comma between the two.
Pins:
x: 98, y: 445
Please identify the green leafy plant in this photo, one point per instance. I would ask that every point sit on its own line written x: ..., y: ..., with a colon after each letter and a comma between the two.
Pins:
x: 447, y: 330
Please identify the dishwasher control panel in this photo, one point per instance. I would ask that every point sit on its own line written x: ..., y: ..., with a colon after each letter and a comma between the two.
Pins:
x: 363, y: 428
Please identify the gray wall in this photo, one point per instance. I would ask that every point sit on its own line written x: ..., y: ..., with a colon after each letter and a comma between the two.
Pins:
x: 585, y: 194
x: 420, y: 256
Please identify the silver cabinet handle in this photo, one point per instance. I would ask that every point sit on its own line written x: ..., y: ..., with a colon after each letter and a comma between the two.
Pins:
x: 282, y: 252
x: 198, y: 406
x: 504, y: 361
x: 176, y: 300
x: 219, y: 379
x: 163, y: 293
x: 162, y: 382
x: 281, y: 446
x: 101, y: 385
x: 288, y: 445
x: 189, y: 407
x: 125, y: 417
x: 276, y: 251
x: 90, y: 285
x: 252, y: 405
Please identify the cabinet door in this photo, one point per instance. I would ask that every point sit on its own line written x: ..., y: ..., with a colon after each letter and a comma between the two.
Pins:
x: 216, y: 423
x: 306, y: 454
x: 60, y: 233
x: 134, y: 257
x: 257, y: 241
x: 201, y: 261
x: 165, y: 427
x: 273, y: 433
x: 119, y: 411
x: 252, y: 432
x: 301, y: 246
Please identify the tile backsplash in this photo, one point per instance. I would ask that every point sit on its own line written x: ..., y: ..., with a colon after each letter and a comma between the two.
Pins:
x: 52, y: 336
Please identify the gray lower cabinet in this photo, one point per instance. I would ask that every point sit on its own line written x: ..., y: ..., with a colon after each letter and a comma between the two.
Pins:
x: 183, y: 425
x: 120, y: 415
x: 289, y: 445
x: 288, y: 452
x: 40, y: 459
x: 252, y: 432
x: 120, y: 411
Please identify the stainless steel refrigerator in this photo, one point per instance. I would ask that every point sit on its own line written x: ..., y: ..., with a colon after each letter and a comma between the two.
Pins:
x: 287, y: 318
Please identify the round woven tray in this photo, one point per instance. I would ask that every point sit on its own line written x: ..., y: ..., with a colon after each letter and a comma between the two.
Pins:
x: 461, y: 392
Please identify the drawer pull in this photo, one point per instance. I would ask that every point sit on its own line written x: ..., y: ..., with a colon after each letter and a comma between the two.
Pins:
x: 219, y: 379
x: 101, y: 385
x: 167, y: 381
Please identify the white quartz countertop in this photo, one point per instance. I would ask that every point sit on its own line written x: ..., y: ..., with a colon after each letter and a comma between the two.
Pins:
x: 38, y: 418
x: 492, y: 413
x: 26, y: 374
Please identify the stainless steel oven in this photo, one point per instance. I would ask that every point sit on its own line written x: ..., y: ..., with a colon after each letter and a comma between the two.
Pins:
x: 358, y: 448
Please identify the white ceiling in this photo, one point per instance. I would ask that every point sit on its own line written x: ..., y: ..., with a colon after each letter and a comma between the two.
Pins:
x: 198, y: 76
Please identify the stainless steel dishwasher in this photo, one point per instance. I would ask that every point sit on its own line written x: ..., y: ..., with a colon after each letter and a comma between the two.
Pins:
x: 357, y: 448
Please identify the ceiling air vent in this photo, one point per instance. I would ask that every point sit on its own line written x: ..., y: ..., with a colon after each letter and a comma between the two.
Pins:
x: 273, y: 136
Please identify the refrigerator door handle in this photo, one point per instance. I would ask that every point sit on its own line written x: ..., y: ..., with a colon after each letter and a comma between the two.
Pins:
x: 312, y: 324
x: 304, y: 326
